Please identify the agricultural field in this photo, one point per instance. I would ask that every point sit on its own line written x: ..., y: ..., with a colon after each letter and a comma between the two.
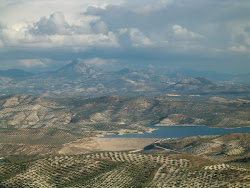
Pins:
x: 221, y: 148
x: 122, y: 169
x: 187, y: 162
x: 36, y: 141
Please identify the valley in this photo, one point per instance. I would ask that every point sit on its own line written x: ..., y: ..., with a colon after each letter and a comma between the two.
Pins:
x: 124, y: 94
x: 51, y: 133
x: 57, y: 142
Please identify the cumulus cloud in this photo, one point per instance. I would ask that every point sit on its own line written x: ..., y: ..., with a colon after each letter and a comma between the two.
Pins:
x: 56, y: 32
x: 181, y: 33
x: 137, y: 38
x: 32, y: 10
x: 121, y: 29
x: 240, y: 38
x: 55, y: 24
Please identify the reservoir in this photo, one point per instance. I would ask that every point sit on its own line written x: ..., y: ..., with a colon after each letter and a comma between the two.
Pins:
x: 181, y: 131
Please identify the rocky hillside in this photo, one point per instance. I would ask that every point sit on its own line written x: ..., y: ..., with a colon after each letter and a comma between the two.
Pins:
x: 27, y: 111
x: 115, y: 113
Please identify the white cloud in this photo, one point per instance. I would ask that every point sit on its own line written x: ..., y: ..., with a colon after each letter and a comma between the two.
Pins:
x: 14, y: 11
x: 181, y: 33
x: 137, y: 38
x: 30, y: 63
x: 149, y: 6
x: 55, y: 24
x: 239, y: 41
x: 50, y: 28
x: 99, y: 62
x: 240, y: 48
x: 1, y: 43
x: 55, y: 31
x: 11, y: 34
x: 83, y: 41
x: 122, y: 31
x: 100, y: 27
x: 50, y: 24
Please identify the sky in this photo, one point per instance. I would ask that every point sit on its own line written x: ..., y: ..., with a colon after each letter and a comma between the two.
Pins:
x: 202, y: 35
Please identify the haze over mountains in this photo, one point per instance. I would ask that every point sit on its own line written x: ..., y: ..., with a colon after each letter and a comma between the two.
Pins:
x: 80, y: 79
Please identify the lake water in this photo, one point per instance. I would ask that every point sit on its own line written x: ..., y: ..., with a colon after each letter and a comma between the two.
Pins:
x: 181, y: 131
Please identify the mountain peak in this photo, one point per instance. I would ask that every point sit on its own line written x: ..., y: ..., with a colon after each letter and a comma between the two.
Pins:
x: 78, y: 61
x: 77, y: 66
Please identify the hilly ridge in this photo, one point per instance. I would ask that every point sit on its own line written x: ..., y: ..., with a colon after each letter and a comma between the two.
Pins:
x: 114, y: 113
x: 203, y: 86
x: 80, y: 79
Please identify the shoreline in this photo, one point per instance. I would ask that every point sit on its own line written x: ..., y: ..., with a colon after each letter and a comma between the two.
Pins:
x: 192, y: 125
x: 123, y: 132
x: 160, y: 134
x: 179, y: 125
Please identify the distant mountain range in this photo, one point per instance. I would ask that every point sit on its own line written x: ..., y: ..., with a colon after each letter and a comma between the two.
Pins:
x: 204, y: 86
x: 80, y: 79
x: 214, y: 76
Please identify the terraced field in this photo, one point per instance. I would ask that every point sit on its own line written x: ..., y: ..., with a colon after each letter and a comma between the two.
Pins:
x: 123, y: 169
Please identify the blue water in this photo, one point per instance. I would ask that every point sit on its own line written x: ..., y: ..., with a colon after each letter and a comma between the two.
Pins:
x: 181, y: 131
